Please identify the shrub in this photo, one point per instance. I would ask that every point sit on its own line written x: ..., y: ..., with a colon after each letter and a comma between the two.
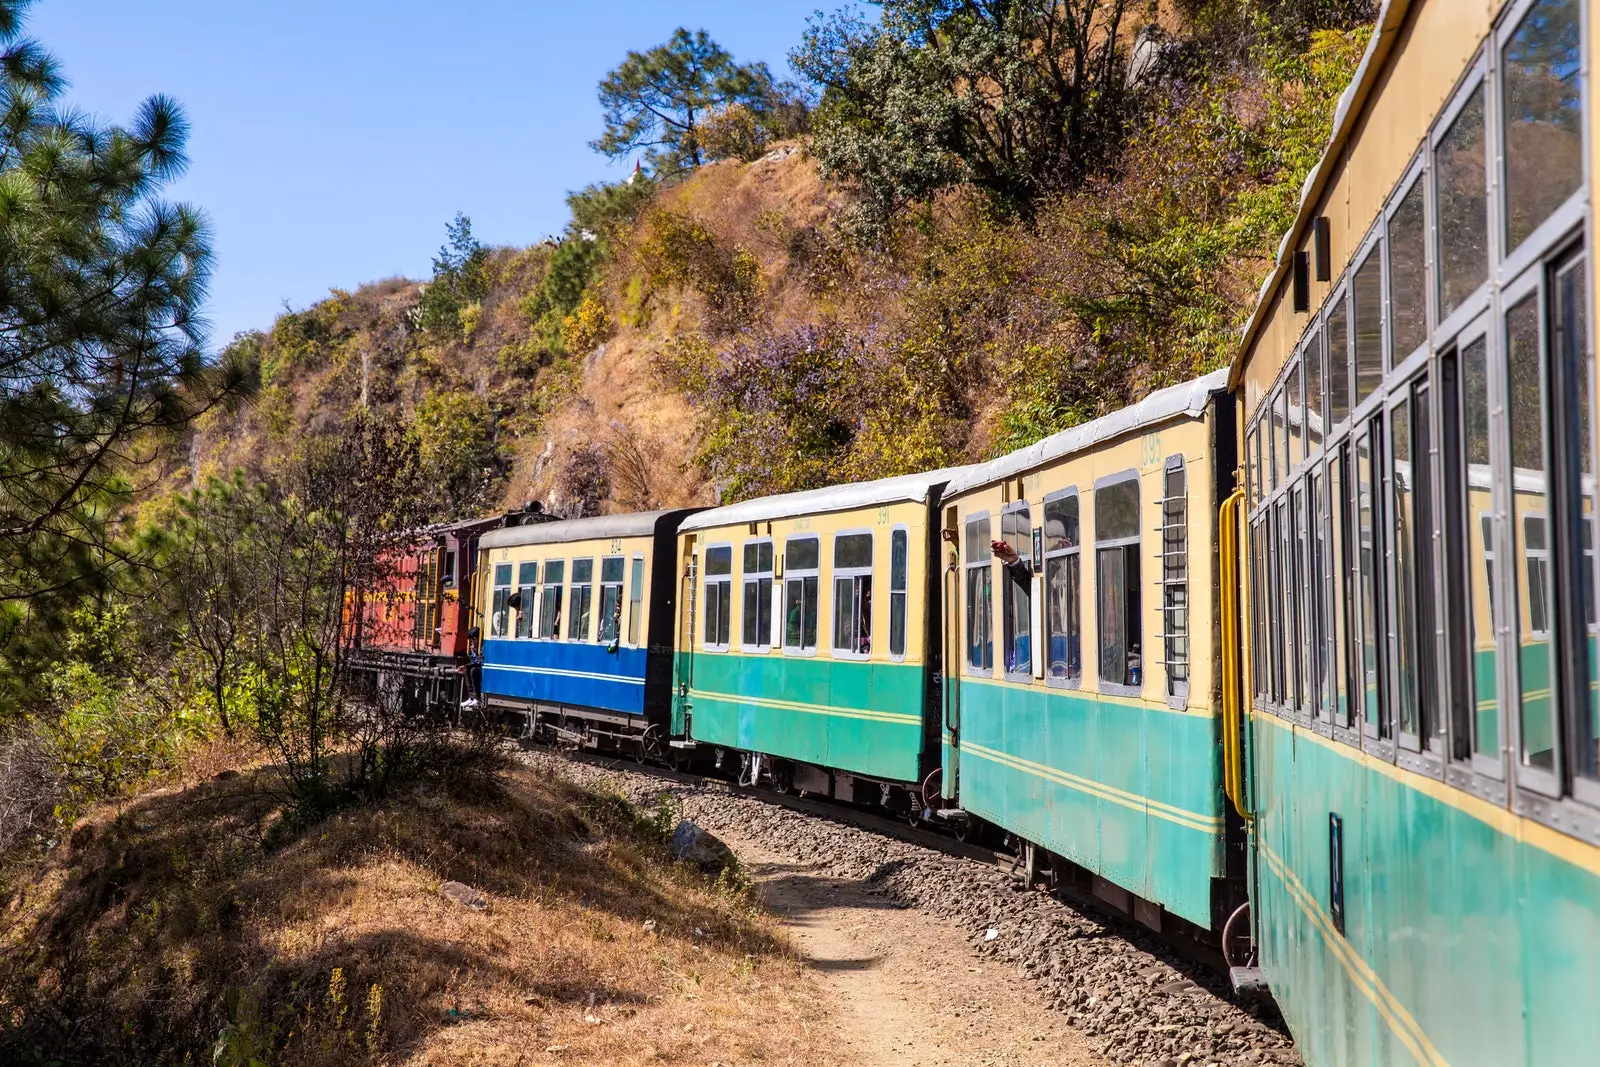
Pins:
x: 587, y: 327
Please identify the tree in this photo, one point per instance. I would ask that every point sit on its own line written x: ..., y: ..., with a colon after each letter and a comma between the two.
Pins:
x: 458, y: 279
x: 657, y: 100
x: 101, y: 284
x: 1021, y: 98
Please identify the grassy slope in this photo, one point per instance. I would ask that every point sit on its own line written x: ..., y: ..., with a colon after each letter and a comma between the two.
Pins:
x: 182, y: 922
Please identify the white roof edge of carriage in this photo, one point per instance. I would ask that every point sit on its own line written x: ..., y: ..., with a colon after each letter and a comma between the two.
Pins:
x: 631, y: 524
x: 906, y: 488
x: 1186, y: 398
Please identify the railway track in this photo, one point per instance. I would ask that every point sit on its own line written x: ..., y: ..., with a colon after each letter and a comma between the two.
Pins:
x: 1148, y: 998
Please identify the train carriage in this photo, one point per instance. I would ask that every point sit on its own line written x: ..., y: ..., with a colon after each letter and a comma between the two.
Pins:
x: 1417, y: 419
x: 808, y: 641
x: 1085, y: 719
x: 576, y: 621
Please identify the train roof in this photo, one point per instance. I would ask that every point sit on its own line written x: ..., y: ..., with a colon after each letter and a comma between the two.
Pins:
x: 632, y: 524
x: 1187, y: 398
x: 907, y: 488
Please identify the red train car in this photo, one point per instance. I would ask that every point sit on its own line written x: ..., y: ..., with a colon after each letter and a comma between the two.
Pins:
x: 408, y: 629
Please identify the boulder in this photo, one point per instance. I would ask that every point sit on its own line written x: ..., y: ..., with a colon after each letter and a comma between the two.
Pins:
x: 464, y: 895
x: 692, y: 844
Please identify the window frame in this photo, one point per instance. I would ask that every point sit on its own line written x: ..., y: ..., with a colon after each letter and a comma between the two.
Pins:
x: 621, y: 586
x: 835, y: 574
x: 1176, y: 692
x: 1416, y: 171
x: 573, y: 585
x: 968, y: 614
x: 903, y: 532
x: 526, y: 611
x: 545, y: 587
x: 500, y: 628
x: 1024, y: 674
x: 1069, y: 682
x: 1477, y: 74
x: 707, y: 580
x: 636, y: 630
x: 801, y: 575
x: 1136, y: 542
x: 774, y: 587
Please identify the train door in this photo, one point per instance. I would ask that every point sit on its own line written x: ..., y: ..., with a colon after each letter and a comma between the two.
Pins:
x: 688, y: 588
x: 949, y: 570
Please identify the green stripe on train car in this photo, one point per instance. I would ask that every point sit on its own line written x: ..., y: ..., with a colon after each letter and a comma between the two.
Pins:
x: 1469, y: 937
x: 1128, y: 791
x: 865, y: 718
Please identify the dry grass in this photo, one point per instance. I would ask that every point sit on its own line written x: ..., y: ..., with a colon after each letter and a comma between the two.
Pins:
x: 188, y: 921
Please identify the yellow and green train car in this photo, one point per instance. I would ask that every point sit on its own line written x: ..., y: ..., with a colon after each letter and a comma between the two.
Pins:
x: 1417, y: 416
x: 807, y: 638
x: 1085, y: 715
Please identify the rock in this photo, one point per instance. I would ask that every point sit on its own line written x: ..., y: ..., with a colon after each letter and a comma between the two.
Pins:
x: 649, y: 926
x: 464, y: 895
x: 694, y: 845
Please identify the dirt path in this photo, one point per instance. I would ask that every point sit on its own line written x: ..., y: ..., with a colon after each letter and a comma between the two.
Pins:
x: 908, y: 990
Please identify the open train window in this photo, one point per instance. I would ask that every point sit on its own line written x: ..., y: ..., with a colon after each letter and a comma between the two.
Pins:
x: 610, y: 598
x: 718, y: 597
x: 852, y: 594
x: 800, y: 557
x: 1063, y: 585
x: 1016, y: 592
x: 1369, y: 554
x: 555, y: 577
x: 1118, y: 583
x: 527, y: 586
x: 975, y: 558
x: 756, y: 599
x: 448, y: 578
x: 582, y: 604
x: 500, y: 613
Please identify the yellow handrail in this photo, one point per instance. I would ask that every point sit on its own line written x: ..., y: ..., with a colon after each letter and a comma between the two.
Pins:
x: 1232, y: 655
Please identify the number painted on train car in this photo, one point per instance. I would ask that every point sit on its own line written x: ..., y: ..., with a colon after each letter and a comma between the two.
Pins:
x: 883, y: 515
x: 616, y: 545
x: 1151, y: 454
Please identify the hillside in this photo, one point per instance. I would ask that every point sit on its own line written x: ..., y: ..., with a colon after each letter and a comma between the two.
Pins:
x: 732, y: 330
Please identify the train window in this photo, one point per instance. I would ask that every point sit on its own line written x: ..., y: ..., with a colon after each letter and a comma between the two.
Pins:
x: 1274, y: 425
x: 1118, y: 582
x: 1175, y: 578
x: 1258, y: 672
x: 1411, y: 541
x: 1461, y: 207
x: 979, y: 576
x: 1016, y: 592
x: 800, y: 556
x: 448, y: 578
x: 582, y: 605
x: 1316, y: 651
x: 527, y: 588
x: 1062, y: 579
x: 1273, y: 602
x: 1280, y: 414
x: 1459, y: 597
x: 1316, y: 415
x: 756, y: 602
x: 1367, y: 293
x: 636, y: 601
x: 500, y: 616
x: 1543, y: 116
x: 610, y: 598
x: 899, y: 568
x: 1408, y: 279
x: 555, y: 576
x: 1339, y: 586
x: 1525, y: 411
x: 1338, y: 359
x: 1569, y: 318
x: 1291, y: 512
x: 1369, y: 559
x: 852, y: 594
x: 1295, y: 412
x: 718, y: 596
x: 1254, y: 446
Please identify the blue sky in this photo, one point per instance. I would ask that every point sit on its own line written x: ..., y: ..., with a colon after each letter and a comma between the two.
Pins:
x: 333, y: 141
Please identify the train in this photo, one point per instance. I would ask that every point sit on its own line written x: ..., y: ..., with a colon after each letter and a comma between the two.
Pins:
x: 1300, y: 657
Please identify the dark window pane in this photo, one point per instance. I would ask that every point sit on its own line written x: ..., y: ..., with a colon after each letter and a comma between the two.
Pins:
x: 1368, y: 290
x: 1463, y: 207
x: 719, y: 560
x: 1570, y: 312
x: 1408, y: 279
x: 1116, y: 510
x: 1530, y: 509
x: 611, y: 569
x: 897, y: 560
x: 1065, y: 659
x: 635, y: 601
x: 852, y: 550
x: 1297, y: 418
x: 1312, y: 361
x: 977, y: 546
x: 1061, y: 521
x: 1401, y: 490
x: 801, y: 554
x: 1339, y: 361
x: 1543, y: 116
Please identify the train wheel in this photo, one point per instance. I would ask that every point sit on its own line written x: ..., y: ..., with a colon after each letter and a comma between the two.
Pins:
x: 1238, y: 938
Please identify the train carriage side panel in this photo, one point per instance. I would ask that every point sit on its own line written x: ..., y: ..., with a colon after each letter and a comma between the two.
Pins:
x: 1117, y: 776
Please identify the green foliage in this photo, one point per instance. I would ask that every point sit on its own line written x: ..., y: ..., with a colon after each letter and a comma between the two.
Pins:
x: 454, y: 434
x: 680, y: 251
x: 1018, y: 99
x: 658, y: 100
x: 606, y: 209
x: 459, y: 279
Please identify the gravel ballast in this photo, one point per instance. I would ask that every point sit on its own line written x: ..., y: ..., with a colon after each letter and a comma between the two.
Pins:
x: 1139, y: 1003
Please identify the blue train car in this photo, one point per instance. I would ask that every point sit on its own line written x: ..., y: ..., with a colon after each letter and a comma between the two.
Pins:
x: 576, y: 621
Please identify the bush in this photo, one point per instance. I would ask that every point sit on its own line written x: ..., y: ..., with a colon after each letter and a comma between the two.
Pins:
x: 587, y: 327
